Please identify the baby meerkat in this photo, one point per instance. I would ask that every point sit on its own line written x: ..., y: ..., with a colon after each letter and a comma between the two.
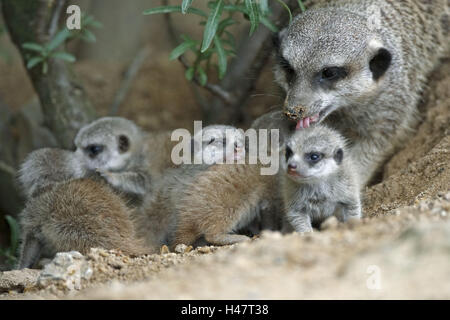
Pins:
x: 45, y: 167
x: 77, y: 215
x: 114, y: 147
x: 219, y: 143
x: 361, y: 67
x: 110, y: 146
x: 319, y: 179
x: 186, y: 204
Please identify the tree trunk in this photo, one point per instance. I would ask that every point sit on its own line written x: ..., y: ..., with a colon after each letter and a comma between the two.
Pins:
x: 64, y: 102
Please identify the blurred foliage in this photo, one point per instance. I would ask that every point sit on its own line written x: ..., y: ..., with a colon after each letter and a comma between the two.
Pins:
x: 3, y: 53
x: 10, y: 253
x: 44, y: 52
x: 217, y: 39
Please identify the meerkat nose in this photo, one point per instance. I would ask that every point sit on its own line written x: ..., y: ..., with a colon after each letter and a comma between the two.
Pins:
x: 292, y: 166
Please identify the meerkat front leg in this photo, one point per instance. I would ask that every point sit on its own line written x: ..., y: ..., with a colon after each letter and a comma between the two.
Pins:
x: 350, y: 210
x: 300, y: 221
x: 130, y: 182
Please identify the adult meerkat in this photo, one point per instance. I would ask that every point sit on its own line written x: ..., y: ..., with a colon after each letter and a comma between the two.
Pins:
x: 77, y: 215
x: 318, y: 179
x: 360, y: 66
x: 191, y: 189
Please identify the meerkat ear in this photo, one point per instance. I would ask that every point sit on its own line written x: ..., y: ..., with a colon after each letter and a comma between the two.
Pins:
x: 124, y: 143
x: 380, y: 63
x: 338, y: 155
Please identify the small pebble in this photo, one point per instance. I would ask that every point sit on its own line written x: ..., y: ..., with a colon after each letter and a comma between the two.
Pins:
x: 204, y: 249
x: 180, y: 248
x: 164, y: 249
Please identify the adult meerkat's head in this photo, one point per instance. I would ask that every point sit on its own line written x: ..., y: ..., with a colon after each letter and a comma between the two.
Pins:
x: 313, y: 154
x: 108, y: 143
x: 220, y: 143
x: 329, y: 59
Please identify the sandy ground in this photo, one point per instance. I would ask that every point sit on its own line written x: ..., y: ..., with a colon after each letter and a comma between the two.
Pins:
x: 401, y: 249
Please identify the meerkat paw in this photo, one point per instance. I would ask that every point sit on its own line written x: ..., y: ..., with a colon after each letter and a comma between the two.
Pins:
x: 226, y: 239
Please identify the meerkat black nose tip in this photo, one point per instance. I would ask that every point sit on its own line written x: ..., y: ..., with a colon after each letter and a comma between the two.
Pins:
x: 292, y: 166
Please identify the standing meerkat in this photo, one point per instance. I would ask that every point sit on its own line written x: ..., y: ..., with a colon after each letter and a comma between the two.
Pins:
x: 318, y: 179
x: 77, y: 215
x: 361, y: 66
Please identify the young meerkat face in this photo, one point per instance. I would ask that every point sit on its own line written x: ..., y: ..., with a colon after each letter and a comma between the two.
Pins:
x: 327, y: 60
x: 107, y: 144
x: 311, y: 155
x: 220, y: 143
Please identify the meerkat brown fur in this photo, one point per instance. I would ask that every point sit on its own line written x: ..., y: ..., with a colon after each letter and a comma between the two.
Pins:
x: 77, y: 215
x: 318, y: 179
x: 361, y: 66
x: 199, y: 200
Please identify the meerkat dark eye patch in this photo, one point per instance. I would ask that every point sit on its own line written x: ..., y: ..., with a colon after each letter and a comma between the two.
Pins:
x: 124, y: 143
x: 93, y: 150
x: 380, y: 63
x: 289, y: 153
x: 332, y: 74
x: 286, y: 66
x: 313, y: 157
x: 338, y: 156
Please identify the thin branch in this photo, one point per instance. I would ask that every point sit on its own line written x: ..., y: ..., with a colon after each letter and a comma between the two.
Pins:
x: 128, y: 79
x: 55, y: 18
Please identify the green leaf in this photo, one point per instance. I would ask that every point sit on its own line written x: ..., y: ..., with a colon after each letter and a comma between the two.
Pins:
x: 33, y: 46
x: 34, y: 61
x: 45, y: 67
x: 189, y: 74
x: 14, y: 227
x: 252, y: 11
x: 224, y: 24
x: 63, y: 56
x: 222, y: 57
x: 211, y: 25
x: 58, y: 39
x: 233, y: 8
x: 264, y: 7
x: 301, y: 5
x: 185, y: 5
x: 88, y: 36
x: 170, y: 9
x: 203, y: 78
x: 86, y: 20
x: 287, y: 8
x: 181, y: 49
x: 272, y: 27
